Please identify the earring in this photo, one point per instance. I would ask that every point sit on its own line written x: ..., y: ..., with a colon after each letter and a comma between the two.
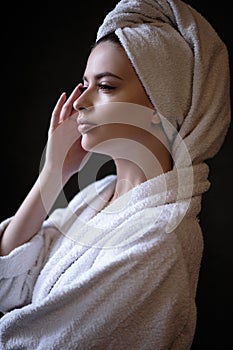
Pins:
x: 155, y: 120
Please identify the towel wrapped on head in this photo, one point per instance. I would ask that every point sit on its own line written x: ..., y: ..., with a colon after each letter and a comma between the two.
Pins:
x: 183, y: 65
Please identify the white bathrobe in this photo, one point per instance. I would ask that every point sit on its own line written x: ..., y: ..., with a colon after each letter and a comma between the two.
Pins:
x: 123, y: 277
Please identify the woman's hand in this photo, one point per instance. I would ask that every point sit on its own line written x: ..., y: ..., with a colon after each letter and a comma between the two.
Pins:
x: 64, y: 153
x: 64, y: 156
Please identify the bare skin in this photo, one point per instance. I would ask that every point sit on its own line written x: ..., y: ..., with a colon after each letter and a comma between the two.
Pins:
x: 63, y: 159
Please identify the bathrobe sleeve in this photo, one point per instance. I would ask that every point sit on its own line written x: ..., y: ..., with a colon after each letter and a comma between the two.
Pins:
x: 20, y: 268
x: 133, y: 298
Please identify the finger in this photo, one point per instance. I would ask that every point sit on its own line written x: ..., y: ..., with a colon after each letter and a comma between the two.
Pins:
x: 57, y: 111
x: 80, y: 86
x: 68, y: 105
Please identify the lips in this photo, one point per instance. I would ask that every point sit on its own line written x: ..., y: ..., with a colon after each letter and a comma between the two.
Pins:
x: 84, y: 125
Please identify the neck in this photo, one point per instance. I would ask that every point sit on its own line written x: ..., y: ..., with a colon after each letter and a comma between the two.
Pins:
x: 139, y: 160
x: 130, y: 174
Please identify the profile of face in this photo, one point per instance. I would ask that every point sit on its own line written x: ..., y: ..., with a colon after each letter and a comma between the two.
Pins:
x: 114, y: 109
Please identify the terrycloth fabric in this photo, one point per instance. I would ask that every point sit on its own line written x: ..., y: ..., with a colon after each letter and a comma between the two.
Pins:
x: 119, y: 278
x: 183, y: 66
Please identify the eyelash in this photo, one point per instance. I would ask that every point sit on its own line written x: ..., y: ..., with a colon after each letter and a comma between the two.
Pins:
x: 103, y: 87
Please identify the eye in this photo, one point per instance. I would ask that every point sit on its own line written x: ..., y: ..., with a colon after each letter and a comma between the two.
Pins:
x: 105, y: 87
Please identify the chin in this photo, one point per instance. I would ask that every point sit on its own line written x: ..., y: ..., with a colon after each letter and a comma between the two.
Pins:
x: 91, y: 143
x: 86, y: 144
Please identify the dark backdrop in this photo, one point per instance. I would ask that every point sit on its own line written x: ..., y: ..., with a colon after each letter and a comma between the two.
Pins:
x: 44, y: 47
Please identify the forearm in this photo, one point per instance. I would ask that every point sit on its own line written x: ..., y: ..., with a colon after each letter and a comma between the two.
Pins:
x: 29, y: 218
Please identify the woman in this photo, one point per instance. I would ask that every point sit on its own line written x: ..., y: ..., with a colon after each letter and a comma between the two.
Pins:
x: 118, y: 268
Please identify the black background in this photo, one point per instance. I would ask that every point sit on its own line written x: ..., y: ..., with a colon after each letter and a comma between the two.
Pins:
x: 44, y: 47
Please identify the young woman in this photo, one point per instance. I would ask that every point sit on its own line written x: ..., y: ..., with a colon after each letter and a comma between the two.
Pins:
x: 118, y: 268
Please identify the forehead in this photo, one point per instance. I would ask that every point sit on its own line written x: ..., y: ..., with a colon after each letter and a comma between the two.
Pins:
x: 110, y: 57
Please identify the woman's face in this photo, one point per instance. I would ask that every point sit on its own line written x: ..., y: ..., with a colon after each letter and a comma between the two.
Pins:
x: 113, y: 99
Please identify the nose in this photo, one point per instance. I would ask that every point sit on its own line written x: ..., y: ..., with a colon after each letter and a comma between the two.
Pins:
x: 83, y: 101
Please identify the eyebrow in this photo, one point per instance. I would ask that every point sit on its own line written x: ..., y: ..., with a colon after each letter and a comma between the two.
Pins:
x: 102, y: 75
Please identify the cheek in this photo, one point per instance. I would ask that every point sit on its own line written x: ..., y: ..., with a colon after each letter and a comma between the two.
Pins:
x: 113, y: 138
x: 114, y: 121
x: 126, y: 113
x: 140, y: 97
x: 105, y: 139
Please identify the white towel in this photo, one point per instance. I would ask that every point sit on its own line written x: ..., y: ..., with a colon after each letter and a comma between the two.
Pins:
x: 183, y: 66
